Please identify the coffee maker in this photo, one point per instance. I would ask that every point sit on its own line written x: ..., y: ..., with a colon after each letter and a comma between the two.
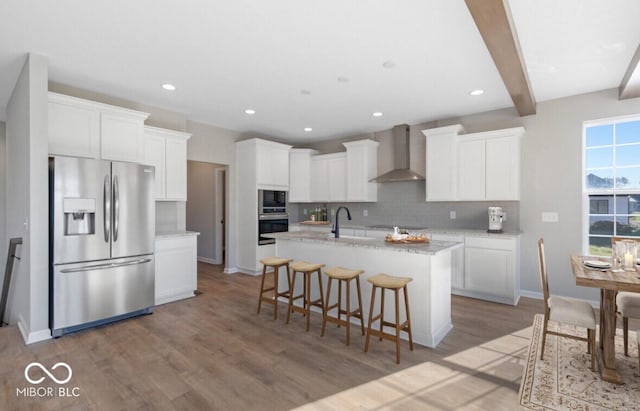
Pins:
x: 496, y: 215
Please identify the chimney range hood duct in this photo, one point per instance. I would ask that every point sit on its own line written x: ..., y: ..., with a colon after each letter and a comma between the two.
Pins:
x: 401, y: 171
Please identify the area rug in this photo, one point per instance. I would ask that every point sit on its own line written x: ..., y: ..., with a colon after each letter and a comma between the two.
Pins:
x: 564, y: 380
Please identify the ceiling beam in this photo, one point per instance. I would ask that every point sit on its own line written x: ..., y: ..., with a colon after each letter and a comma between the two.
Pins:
x: 630, y: 85
x: 493, y: 19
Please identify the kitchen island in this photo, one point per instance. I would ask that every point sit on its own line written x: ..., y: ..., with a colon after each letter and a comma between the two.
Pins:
x: 428, y: 264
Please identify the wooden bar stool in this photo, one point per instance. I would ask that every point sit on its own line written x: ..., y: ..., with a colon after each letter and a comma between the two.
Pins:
x: 307, y: 269
x: 384, y: 282
x: 343, y: 275
x: 275, y: 263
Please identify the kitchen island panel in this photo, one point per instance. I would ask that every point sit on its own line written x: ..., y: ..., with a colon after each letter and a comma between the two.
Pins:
x: 429, y: 292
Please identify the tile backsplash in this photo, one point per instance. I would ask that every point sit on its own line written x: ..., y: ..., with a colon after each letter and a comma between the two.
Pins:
x: 404, y: 204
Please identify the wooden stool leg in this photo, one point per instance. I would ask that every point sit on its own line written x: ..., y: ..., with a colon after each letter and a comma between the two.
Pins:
x: 348, y: 311
x: 321, y: 297
x: 381, y: 311
x: 339, y: 300
x: 406, y: 306
x: 307, y: 297
x: 544, y: 334
x: 373, y: 299
x: 360, y: 304
x: 264, y: 274
x: 276, y: 270
x: 291, y: 292
x: 397, y: 303
x: 326, y: 307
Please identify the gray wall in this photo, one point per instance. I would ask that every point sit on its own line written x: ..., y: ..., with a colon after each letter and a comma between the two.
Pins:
x: 201, y: 207
x: 3, y: 201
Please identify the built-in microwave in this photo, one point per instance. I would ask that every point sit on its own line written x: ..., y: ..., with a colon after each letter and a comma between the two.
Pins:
x: 272, y: 202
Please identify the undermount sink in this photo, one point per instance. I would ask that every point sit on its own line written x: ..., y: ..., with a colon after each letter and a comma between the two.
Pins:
x: 352, y: 237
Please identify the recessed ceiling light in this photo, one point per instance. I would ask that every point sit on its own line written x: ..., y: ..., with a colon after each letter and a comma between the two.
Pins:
x: 308, y: 129
x: 250, y: 111
x: 377, y: 114
x: 168, y: 86
x: 476, y: 92
x: 305, y: 92
x: 388, y: 64
x: 343, y: 79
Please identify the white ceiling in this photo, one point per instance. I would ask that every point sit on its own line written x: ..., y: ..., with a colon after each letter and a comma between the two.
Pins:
x: 226, y: 56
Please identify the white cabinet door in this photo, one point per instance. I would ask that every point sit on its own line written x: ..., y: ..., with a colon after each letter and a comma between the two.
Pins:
x: 337, y: 178
x: 74, y: 129
x: 362, y: 166
x: 441, y: 168
x: 491, y: 268
x: 176, y: 171
x: 154, y: 155
x: 503, y: 169
x: 471, y: 170
x: 273, y: 165
x: 300, y: 175
x: 176, y: 268
x: 320, y: 180
x: 457, y: 258
x: 121, y: 138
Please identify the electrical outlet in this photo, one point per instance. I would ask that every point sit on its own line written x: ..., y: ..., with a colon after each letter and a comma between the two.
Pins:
x: 504, y: 216
x: 365, y: 213
x: 304, y: 211
x: 550, y: 217
x: 333, y: 211
x: 452, y: 215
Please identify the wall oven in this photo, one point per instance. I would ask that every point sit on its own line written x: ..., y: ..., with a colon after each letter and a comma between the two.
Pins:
x: 271, y: 223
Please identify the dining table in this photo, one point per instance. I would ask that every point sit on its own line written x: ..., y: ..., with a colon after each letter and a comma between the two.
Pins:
x: 610, y: 281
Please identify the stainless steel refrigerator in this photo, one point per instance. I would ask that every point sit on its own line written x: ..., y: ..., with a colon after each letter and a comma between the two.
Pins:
x: 101, y: 242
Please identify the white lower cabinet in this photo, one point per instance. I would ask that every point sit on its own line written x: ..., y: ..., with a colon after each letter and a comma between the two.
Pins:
x: 491, y: 269
x: 176, y: 267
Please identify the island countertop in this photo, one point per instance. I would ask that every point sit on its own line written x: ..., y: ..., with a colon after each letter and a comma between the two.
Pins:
x: 431, y: 248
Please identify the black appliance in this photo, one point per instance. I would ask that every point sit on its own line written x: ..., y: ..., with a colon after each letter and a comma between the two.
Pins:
x: 272, y: 202
x: 271, y: 223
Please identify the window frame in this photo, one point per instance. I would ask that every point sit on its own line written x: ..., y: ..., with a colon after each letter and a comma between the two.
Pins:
x: 586, y: 192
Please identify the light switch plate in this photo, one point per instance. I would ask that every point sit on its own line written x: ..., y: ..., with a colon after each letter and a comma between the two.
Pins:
x: 304, y: 211
x: 452, y: 215
x: 365, y: 213
x: 550, y: 217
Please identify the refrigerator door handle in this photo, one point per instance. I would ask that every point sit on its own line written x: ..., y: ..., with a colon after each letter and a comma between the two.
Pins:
x: 107, y: 208
x: 104, y: 266
x: 116, y: 208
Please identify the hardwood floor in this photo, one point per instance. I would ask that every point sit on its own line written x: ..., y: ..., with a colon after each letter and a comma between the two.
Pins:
x: 214, y: 352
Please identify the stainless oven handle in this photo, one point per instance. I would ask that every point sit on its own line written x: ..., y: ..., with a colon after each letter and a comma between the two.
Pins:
x: 273, y: 216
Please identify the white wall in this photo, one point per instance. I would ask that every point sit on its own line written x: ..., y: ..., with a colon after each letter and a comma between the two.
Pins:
x: 3, y: 203
x: 27, y: 190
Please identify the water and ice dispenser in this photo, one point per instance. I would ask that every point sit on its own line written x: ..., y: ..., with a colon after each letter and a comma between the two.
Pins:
x: 79, y: 216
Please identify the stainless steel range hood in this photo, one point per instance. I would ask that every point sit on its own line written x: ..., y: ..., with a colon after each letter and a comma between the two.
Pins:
x: 401, y: 171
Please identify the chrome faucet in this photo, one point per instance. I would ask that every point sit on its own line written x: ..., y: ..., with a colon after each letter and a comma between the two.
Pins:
x: 336, y: 226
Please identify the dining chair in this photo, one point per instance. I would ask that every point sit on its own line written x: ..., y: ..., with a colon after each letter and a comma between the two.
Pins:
x: 627, y: 303
x: 567, y: 311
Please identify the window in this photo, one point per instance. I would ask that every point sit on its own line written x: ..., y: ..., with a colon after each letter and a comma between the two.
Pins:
x: 611, y: 181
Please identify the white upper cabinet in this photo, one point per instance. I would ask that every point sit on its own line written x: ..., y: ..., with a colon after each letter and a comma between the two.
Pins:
x: 442, y: 163
x: 272, y: 162
x: 473, y: 167
x: 83, y: 128
x: 300, y: 175
x: 328, y: 176
x: 361, y: 166
x: 166, y: 150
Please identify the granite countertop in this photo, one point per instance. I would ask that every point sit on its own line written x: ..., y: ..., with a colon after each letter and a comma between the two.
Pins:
x: 434, y: 247
x: 468, y: 231
x: 163, y: 234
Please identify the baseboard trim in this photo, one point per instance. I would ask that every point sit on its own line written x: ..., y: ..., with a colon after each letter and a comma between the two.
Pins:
x: 538, y: 296
x: 32, y: 337
x: 209, y: 260
x: 230, y: 270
